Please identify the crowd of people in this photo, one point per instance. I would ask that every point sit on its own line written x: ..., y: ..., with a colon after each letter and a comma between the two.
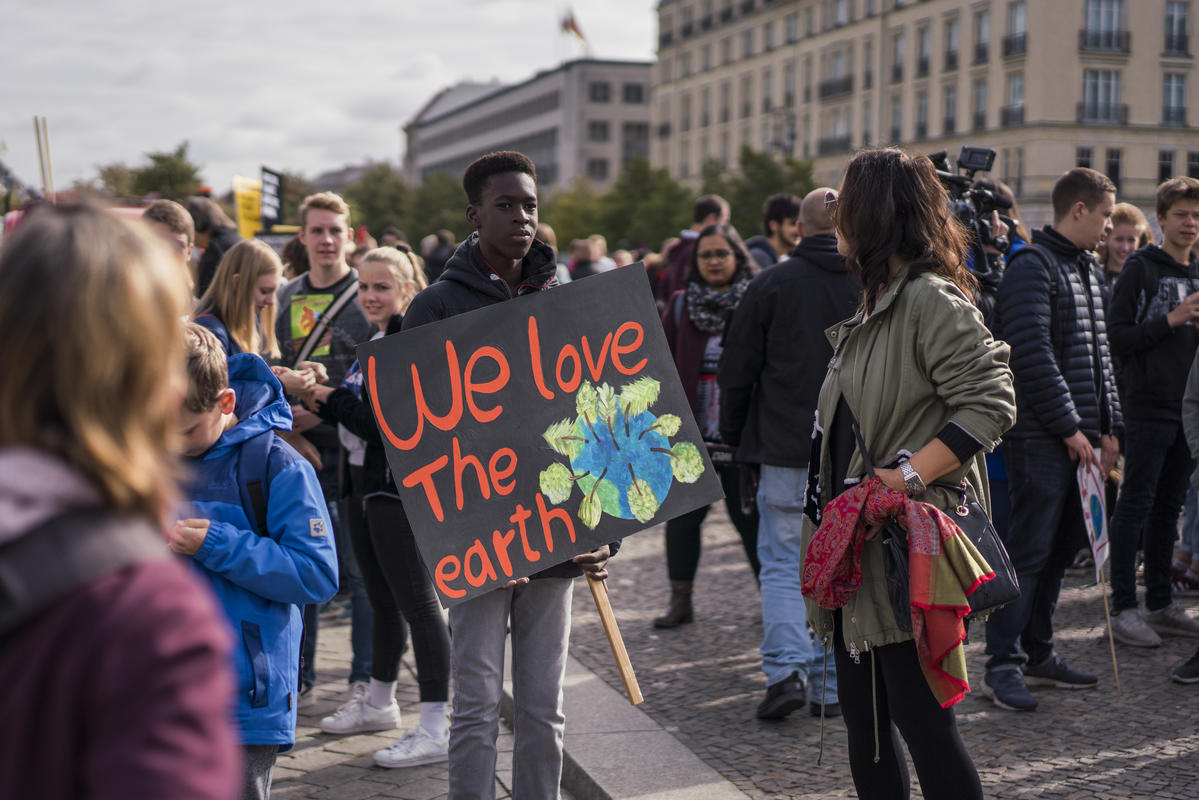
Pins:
x: 849, y: 365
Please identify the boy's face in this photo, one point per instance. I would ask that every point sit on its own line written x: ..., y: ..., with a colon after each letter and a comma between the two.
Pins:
x: 325, y: 235
x: 1180, y: 225
x: 506, y: 215
x: 787, y: 231
x: 198, y: 431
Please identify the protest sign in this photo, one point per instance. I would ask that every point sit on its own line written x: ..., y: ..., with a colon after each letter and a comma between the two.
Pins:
x: 1094, y: 512
x: 530, y: 431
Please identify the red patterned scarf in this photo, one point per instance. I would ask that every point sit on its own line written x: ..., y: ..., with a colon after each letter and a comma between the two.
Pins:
x: 944, y: 567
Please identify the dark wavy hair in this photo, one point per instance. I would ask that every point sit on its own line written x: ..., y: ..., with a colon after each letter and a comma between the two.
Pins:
x: 891, y: 203
x: 741, y: 254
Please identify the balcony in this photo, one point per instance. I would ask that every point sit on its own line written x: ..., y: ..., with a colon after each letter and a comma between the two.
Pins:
x: 1091, y: 41
x: 950, y: 126
x: 951, y: 60
x: 664, y: 130
x: 1107, y: 114
x: 1011, y: 116
x: 705, y: 22
x: 833, y: 144
x: 726, y: 15
x: 747, y: 6
x: 981, y: 53
x: 980, y: 120
x: 896, y: 73
x: 687, y: 30
x: 895, y: 135
x: 922, y: 68
x: 665, y: 39
x: 921, y: 131
x: 1015, y: 44
x: 1174, y: 116
x: 1178, y: 45
x: 835, y: 87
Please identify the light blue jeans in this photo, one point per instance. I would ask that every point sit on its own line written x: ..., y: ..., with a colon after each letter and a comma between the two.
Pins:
x: 1190, y: 523
x: 539, y: 615
x: 787, y: 646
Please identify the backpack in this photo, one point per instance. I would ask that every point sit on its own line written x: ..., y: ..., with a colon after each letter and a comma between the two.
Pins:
x: 252, y: 483
x: 54, y: 558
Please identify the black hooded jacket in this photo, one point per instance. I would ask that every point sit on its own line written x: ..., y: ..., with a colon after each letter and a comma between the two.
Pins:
x: 776, y: 354
x: 1052, y: 316
x: 1154, y: 358
x: 468, y: 283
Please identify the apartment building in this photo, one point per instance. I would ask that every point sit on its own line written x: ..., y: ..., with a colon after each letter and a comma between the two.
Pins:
x: 1047, y: 84
x: 586, y: 118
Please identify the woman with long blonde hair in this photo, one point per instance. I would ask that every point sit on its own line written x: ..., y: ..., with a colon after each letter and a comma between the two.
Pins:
x: 239, y: 305
x: 120, y: 682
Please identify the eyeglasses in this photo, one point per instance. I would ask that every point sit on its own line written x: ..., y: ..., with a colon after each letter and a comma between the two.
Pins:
x: 830, y: 204
x: 714, y: 255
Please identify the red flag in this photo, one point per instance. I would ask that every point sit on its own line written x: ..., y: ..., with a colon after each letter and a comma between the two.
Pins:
x: 570, y: 25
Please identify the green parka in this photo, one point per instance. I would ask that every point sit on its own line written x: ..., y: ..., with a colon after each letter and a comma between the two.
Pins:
x: 922, y: 359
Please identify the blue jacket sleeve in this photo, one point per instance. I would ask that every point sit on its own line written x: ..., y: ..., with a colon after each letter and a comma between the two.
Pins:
x: 1026, y: 324
x: 297, y: 561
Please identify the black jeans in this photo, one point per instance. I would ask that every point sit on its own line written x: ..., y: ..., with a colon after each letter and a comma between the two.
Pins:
x: 683, y: 541
x: 1157, y: 465
x: 400, y: 589
x: 1045, y: 533
x: 890, y: 680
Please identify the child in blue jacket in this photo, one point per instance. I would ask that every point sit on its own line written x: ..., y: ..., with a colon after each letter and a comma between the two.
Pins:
x: 261, y: 577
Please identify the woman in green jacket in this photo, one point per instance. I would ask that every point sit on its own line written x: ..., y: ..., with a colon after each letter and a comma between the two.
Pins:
x: 931, y: 391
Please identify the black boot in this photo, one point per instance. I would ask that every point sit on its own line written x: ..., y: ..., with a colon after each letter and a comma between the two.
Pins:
x: 679, y: 611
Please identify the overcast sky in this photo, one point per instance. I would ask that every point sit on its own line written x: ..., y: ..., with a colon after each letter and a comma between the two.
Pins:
x: 301, y: 85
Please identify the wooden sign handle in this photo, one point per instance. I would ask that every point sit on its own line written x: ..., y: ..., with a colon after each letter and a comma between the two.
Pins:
x: 599, y: 591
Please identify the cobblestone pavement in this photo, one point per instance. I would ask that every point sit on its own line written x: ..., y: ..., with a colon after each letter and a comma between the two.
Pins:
x: 703, y: 681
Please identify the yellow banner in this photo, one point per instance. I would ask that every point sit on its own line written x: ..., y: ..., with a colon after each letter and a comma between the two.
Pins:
x: 247, y: 194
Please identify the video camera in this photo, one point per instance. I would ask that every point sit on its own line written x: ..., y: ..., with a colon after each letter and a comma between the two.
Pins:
x: 973, y: 204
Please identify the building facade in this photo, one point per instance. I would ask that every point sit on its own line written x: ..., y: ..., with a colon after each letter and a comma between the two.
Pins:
x: 1047, y: 84
x: 586, y: 118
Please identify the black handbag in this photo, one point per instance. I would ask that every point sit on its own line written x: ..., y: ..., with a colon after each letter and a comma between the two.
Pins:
x: 974, y: 523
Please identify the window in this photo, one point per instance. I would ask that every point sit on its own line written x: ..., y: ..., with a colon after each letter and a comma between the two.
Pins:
x: 597, y: 131
x: 1176, y: 28
x: 791, y: 28
x: 1082, y: 157
x: 705, y: 107
x: 633, y: 93
x: 1174, y: 90
x: 921, y: 114
x: 599, y: 92
x: 634, y: 141
x: 866, y: 122
x: 767, y: 90
x: 684, y: 64
x: 953, y: 42
x: 664, y: 69
x: 867, y: 63
x: 982, y: 36
x: 1193, y: 163
x: 841, y: 13
x: 979, y: 93
x: 1113, y: 166
x: 924, y: 51
x: 810, y: 21
x: 1101, y: 97
x: 896, y: 118
x: 789, y: 84
x: 747, y: 91
x: 1165, y: 165
x: 897, y: 57
x: 597, y: 169
x: 725, y: 148
x: 1104, y: 26
x: 747, y: 43
x: 726, y: 50
x: 768, y: 36
x: 685, y: 112
x: 705, y: 58
x: 726, y: 102
x: 1017, y: 18
x: 684, y: 159
x: 951, y: 109
x: 1013, y: 112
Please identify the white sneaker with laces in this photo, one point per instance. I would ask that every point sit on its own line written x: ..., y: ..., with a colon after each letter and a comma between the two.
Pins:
x: 414, y: 748
x: 1129, y: 627
x: 1172, y: 620
x: 356, y: 715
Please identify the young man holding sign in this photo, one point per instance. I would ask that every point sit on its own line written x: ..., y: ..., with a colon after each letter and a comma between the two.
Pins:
x: 502, y: 260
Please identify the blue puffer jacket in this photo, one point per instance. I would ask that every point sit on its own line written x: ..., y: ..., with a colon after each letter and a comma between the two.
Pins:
x: 262, y: 581
x: 1060, y: 357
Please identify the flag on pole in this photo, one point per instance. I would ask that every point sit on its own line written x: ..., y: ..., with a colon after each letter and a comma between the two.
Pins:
x: 571, y: 25
x: 1094, y: 512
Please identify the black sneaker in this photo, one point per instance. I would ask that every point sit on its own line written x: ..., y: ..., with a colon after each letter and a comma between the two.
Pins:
x: 783, y: 697
x: 830, y: 709
x: 1187, y: 672
x: 1006, y: 689
x: 1055, y: 672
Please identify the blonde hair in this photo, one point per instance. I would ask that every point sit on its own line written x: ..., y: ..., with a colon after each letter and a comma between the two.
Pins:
x: 326, y: 201
x: 207, y: 369
x: 1128, y: 214
x: 230, y: 296
x: 403, y: 267
x: 89, y: 313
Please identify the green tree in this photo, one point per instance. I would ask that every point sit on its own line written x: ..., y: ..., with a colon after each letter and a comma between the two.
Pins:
x: 574, y: 213
x: 438, y: 203
x: 643, y: 207
x: 169, y: 175
x: 295, y: 188
x: 378, y: 199
x: 758, y: 176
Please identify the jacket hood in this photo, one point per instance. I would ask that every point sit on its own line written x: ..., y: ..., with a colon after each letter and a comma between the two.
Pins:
x: 1154, y: 253
x: 821, y: 250
x: 261, y: 404
x: 468, y: 267
x: 35, y: 486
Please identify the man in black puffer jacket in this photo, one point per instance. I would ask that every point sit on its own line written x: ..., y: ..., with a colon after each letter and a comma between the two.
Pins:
x: 1050, y: 311
x: 1153, y: 310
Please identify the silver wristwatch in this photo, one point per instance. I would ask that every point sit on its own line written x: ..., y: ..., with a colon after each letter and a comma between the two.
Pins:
x: 912, y: 479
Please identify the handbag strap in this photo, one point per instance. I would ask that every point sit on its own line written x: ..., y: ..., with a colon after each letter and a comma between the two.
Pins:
x: 322, y: 324
x: 957, y: 488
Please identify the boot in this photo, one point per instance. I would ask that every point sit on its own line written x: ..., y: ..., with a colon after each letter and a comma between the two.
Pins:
x: 679, y: 611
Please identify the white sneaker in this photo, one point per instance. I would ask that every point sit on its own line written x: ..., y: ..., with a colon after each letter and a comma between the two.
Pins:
x: 359, y: 716
x: 414, y: 748
x: 1172, y: 620
x: 1128, y: 627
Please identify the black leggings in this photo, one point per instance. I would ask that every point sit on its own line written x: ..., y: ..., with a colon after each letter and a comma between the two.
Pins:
x: 904, y: 702
x: 683, y: 533
x: 399, y: 589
